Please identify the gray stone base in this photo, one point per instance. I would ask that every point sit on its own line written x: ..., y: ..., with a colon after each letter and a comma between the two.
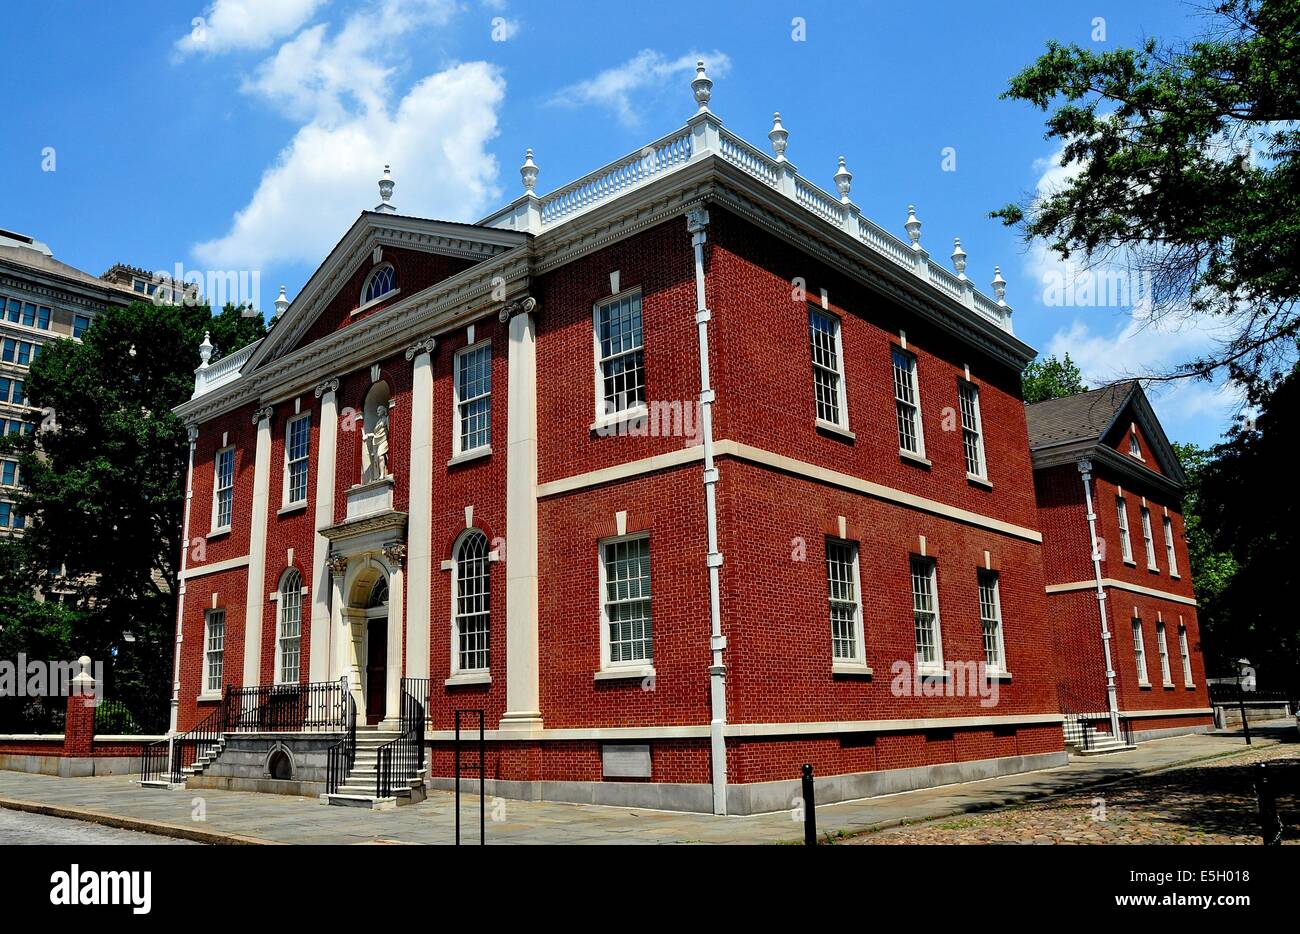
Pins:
x: 1142, y: 736
x: 70, y: 767
x: 265, y: 785
x: 759, y: 797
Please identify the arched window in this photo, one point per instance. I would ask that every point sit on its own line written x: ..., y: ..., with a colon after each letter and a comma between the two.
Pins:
x: 378, y: 594
x: 289, y: 637
x: 472, y: 608
x: 381, y: 281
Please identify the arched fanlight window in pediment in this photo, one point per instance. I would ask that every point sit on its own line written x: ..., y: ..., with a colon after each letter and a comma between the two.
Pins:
x: 381, y: 281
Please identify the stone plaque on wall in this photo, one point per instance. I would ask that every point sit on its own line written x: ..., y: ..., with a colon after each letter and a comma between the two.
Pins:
x: 625, y: 761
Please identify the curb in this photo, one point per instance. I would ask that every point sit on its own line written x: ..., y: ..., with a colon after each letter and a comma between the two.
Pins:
x: 158, y: 828
x: 1023, y: 797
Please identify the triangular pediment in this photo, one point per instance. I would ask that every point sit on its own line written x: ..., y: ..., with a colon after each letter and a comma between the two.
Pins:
x: 423, y: 252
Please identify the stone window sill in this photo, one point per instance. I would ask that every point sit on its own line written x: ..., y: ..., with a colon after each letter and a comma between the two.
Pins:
x: 920, y: 459
x: 850, y: 670
x: 375, y: 301
x: 292, y: 508
x: 464, y: 457
x: 217, y: 533
x: 979, y: 481
x: 636, y: 672
x: 208, y: 696
x: 610, y: 423
x: 468, y: 677
x: 823, y: 425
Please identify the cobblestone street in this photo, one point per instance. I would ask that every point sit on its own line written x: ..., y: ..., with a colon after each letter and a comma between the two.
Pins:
x: 1209, y: 802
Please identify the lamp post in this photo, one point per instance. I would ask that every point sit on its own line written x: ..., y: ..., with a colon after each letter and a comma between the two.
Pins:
x: 1242, y: 666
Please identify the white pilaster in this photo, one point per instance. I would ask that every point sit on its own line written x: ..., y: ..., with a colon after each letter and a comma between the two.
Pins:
x: 255, y: 598
x: 523, y: 695
x: 419, y: 536
x: 326, y: 458
x: 393, y: 661
x: 193, y: 433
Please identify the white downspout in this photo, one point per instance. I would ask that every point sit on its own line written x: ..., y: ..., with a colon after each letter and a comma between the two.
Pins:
x: 1112, y: 700
x: 696, y: 220
x: 180, y: 585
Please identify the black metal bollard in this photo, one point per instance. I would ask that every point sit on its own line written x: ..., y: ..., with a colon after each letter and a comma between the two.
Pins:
x: 809, y: 808
x: 1245, y: 720
x: 1270, y: 826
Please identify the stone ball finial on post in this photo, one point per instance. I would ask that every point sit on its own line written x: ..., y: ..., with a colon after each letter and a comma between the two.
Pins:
x: 958, y: 258
x: 999, y: 286
x: 843, y: 181
x: 528, y: 172
x: 778, y: 135
x: 913, y: 227
x: 702, y: 86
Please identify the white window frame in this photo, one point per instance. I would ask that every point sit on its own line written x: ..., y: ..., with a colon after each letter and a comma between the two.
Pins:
x: 1162, y: 646
x: 284, y: 592
x: 638, y: 666
x: 841, y: 419
x: 288, y: 462
x: 457, y: 403
x: 1134, y: 448
x: 212, y: 619
x: 1140, y: 654
x: 859, y: 655
x: 972, y: 434
x: 914, y: 383
x: 1170, y: 554
x: 1149, y: 540
x: 1126, y: 543
x: 456, y: 615
x: 363, y: 302
x: 218, y: 489
x: 995, y: 604
x: 934, y: 666
x: 1185, y: 650
x: 634, y: 411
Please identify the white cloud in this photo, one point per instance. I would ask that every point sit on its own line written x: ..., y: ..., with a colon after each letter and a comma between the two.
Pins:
x: 324, y: 77
x: 244, y: 24
x: 645, y: 73
x: 436, y: 140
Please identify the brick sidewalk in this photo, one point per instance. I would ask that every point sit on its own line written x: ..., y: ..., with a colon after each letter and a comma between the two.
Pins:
x: 283, y: 819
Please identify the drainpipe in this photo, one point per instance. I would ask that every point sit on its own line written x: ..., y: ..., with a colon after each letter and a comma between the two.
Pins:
x: 696, y: 220
x: 193, y: 433
x: 1085, y: 468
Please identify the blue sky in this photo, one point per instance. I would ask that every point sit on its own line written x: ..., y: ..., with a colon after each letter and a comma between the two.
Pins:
x: 252, y: 140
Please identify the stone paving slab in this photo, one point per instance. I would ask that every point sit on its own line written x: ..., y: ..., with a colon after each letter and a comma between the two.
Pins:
x: 288, y: 819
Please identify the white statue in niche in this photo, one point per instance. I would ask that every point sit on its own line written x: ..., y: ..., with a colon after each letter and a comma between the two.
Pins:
x: 374, y: 447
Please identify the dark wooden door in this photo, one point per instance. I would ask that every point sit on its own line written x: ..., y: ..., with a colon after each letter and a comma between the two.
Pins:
x: 376, y: 669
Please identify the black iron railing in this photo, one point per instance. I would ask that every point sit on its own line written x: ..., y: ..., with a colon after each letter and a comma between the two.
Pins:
x: 277, y: 708
x: 403, y: 758
x: 156, y: 762
x: 342, y: 755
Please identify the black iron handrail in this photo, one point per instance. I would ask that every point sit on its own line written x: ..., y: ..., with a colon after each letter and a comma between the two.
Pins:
x: 271, y: 708
x: 169, y: 758
x: 402, y: 758
x: 342, y: 755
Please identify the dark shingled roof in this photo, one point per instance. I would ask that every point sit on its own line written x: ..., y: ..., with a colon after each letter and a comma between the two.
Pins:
x: 1083, y: 416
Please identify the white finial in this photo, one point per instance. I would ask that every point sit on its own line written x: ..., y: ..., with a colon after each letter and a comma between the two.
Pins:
x: 386, y: 184
x: 999, y: 286
x: 778, y: 136
x: 205, y: 349
x: 843, y: 181
x: 703, y: 87
x: 528, y: 172
x: 913, y: 227
x: 958, y: 258
x: 281, y: 303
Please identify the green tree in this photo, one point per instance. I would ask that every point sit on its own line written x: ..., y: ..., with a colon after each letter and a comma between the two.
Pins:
x: 1050, y: 378
x: 1184, y: 164
x: 1249, y: 509
x: 40, y: 629
x: 105, y: 480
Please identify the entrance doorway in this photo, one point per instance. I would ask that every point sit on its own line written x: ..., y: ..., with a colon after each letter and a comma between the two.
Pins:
x: 377, y: 651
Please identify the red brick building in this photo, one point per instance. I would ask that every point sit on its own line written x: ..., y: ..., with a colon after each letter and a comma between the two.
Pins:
x: 1108, y: 446
x: 684, y: 474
